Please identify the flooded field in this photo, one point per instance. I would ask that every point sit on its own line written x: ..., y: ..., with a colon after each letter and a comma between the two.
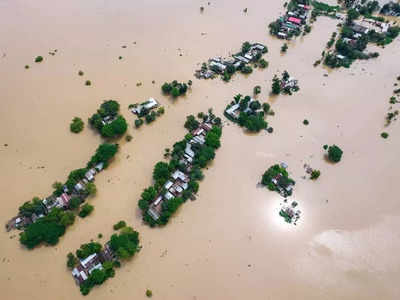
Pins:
x: 230, y: 243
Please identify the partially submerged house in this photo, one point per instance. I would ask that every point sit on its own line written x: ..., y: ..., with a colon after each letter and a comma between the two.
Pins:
x: 93, y: 262
x: 148, y: 105
x: 86, y: 267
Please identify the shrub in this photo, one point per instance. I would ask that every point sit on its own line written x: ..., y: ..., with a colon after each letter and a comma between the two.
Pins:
x: 138, y: 122
x: 284, y: 48
x: 76, y: 125
x: 26, y: 66
x: 86, y: 210
x: 263, y: 63
x: 149, y: 293
x: 72, y: 261
x: 315, y: 174
x: 305, y: 122
x: 88, y: 83
x: 385, y: 135
x: 266, y: 107
x: 257, y: 90
x: 276, y: 85
x: 128, y: 138
x: 80, y: 73
x: 246, y: 70
x: 335, y: 153
x: 38, y: 59
x: 119, y: 225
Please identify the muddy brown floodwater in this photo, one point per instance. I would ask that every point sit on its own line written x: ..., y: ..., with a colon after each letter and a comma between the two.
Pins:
x: 230, y: 243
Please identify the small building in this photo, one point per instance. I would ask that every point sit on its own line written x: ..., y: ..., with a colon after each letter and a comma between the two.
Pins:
x: 35, y: 217
x: 242, y: 59
x: 249, y: 56
x: 206, y: 126
x: 282, y: 35
x: 90, y: 174
x: 86, y: 267
x: 182, y: 176
x: 217, y: 66
x: 79, y: 187
x: 149, y: 104
x: 189, y: 151
x: 359, y: 29
x: 294, y: 20
x: 233, y: 111
x: 99, y: 166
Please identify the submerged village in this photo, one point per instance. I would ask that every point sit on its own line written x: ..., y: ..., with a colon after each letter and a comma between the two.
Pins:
x: 177, y: 177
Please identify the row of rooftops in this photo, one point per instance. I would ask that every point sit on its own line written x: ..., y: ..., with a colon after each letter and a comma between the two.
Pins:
x: 179, y: 180
x: 219, y: 64
x: 61, y: 201
x: 94, y: 261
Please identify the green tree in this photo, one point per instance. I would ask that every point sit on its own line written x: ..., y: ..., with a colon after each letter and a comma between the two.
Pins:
x: 104, y: 153
x: 88, y: 249
x: 72, y: 261
x: 175, y: 92
x: 191, y: 123
x: 76, y: 125
x: 166, y: 88
x: 126, y: 243
x: 147, y: 197
x: 86, y: 210
x: 276, y: 85
x: 161, y: 173
x: 335, y: 153
x: 315, y: 174
x: 119, y: 225
x: 91, y: 189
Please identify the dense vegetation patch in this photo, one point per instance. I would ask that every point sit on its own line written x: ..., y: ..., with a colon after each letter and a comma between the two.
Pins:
x: 107, y: 120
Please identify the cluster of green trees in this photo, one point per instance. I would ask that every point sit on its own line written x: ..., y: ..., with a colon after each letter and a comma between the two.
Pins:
x: 355, y: 50
x: 149, y: 116
x: 175, y: 88
x: 124, y: 244
x: 284, y: 181
x: 391, y: 8
x: 47, y: 229
x: 252, y: 113
x: 32, y: 207
x: 76, y: 125
x: 104, y: 153
x: 107, y: 121
x: 204, y: 154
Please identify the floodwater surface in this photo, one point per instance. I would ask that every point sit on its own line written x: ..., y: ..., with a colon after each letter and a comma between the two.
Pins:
x: 230, y: 243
